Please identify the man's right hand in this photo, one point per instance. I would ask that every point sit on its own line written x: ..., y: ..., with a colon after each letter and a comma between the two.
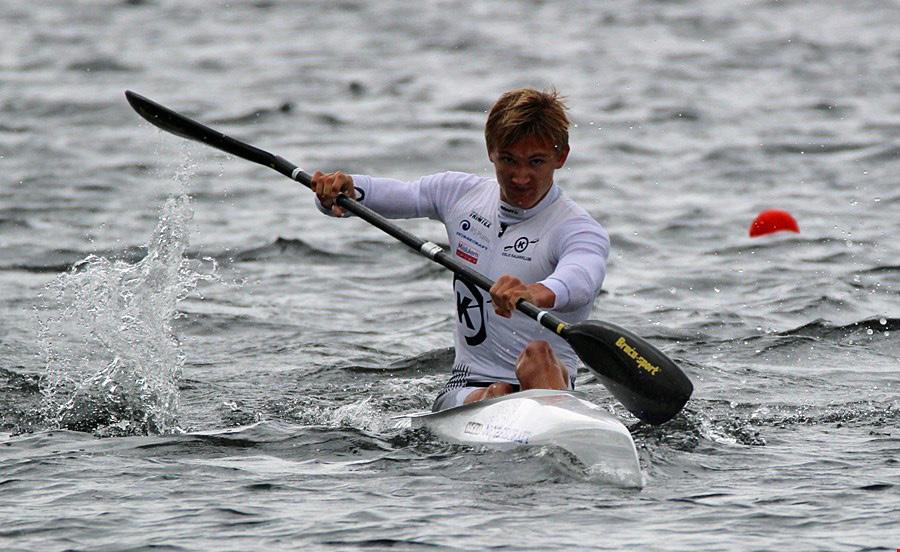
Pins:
x: 507, y: 290
x: 330, y: 185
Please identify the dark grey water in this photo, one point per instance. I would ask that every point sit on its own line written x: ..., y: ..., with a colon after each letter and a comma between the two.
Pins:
x: 217, y: 297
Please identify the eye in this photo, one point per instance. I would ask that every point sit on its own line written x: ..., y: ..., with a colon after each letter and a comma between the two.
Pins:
x: 507, y: 159
x: 538, y: 162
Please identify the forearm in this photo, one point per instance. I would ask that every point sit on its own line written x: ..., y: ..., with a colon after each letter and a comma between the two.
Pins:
x: 391, y: 197
x: 540, y: 295
x: 429, y: 196
x: 387, y: 196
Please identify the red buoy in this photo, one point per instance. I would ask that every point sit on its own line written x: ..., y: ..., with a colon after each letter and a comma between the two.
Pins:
x: 773, y: 220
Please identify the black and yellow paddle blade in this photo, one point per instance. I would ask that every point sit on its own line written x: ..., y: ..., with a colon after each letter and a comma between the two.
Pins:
x: 646, y: 381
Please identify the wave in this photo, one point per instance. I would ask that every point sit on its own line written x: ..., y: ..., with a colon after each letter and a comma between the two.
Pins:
x: 787, y: 241
x: 880, y: 154
x: 705, y: 421
x: 44, y: 109
x: 255, y: 115
x: 822, y: 329
x: 13, y: 223
x: 831, y: 108
x: 875, y: 331
x: 287, y: 249
x: 101, y: 65
x: 20, y: 397
x: 699, y: 422
x: 65, y: 260
x: 434, y: 361
x: 633, y: 149
x: 885, y: 269
x: 322, y: 441
x: 678, y: 114
x: 479, y: 107
x: 284, y: 248
x: 854, y: 413
x: 813, y: 148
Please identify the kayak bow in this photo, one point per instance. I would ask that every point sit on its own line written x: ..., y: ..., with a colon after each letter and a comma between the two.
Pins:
x: 543, y: 417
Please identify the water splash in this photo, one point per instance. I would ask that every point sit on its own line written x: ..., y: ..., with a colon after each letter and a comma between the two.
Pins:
x: 112, y: 358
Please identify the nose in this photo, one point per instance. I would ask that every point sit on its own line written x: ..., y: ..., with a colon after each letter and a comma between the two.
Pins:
x: 521, y: 175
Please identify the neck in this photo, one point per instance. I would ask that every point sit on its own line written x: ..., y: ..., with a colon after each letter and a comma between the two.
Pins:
x: 510, y: 214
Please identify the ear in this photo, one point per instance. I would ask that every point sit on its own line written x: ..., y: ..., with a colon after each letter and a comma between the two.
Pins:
x: 563, y: 155
x: 491, y: 155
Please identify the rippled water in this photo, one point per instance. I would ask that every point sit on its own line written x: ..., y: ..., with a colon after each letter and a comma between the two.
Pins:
x: 192, y: 357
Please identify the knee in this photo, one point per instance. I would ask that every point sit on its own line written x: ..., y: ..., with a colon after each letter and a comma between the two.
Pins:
x: 536, y: 350
x: 537, y: 355
x: 497, y: 389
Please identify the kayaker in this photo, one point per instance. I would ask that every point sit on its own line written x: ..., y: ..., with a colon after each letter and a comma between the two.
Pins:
x: 519, y: 229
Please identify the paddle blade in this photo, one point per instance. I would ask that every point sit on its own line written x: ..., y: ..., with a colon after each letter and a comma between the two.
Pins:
x: 179, y: 125
x: 639, y: 375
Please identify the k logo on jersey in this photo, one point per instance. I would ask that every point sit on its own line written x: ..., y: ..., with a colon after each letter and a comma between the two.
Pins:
x: 470, y: 312
x: 518, y: 249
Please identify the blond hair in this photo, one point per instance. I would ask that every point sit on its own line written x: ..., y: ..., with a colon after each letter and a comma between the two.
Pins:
x: 528, y: 112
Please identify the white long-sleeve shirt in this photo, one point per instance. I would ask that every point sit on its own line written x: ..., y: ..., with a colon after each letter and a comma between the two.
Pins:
x: 555, y: 243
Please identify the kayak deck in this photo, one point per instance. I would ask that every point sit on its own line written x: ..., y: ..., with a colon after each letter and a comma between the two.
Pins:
x: 543, y: 417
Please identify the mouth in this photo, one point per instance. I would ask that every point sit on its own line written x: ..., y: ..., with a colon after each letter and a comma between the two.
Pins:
x: 520, y: 195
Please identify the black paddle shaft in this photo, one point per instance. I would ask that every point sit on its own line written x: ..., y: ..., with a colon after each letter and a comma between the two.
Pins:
x: 641, y: 376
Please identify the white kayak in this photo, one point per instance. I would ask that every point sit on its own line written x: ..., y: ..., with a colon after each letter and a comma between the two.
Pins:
x: 543, y: 417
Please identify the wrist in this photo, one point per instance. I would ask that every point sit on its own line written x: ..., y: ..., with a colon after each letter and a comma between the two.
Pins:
x: 541, y: 295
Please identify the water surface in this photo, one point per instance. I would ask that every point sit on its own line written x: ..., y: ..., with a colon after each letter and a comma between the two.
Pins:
x: 240, y: 358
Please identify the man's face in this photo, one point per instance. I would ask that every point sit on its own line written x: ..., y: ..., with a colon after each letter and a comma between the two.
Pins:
x: 525, y: 170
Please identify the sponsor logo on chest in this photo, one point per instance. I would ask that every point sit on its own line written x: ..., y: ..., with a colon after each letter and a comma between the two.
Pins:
x: 474, y: 215
x: 465, y: 252
x: 520, y: 249
x: 471, y: 235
